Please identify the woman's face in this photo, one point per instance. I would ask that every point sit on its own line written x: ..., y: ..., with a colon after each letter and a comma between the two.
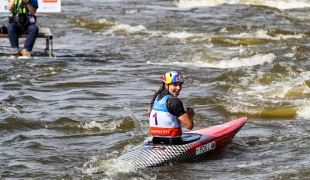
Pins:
x: 174, y: 88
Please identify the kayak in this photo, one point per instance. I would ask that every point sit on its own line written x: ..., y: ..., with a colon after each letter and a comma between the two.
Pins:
x: 195, y: 144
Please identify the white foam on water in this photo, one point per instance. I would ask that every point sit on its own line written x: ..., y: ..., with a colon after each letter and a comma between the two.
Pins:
x: 230, y: 63
x: 234, y: 38
x: 198, y: 3
x: 263, y: 34
x: 126, y: 28
x: 133, y: 11
x: 246, y: 164
x: 198, y: 61
x: 285, y: 90
x: 280, y: 4
x: 110, y: 125
x: 198, y: 37
x: 11, y: 108
x: 284, y: 4
x: 114, y: 166
x: 183, y: 35
x: 109, y: 167
x: 241, y: 62
x: 304, y: 109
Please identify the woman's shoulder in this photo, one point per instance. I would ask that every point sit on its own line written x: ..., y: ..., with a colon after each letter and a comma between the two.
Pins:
x: 175, y: 101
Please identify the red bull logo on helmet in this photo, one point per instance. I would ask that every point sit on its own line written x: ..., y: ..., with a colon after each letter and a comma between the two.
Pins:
x: 164, y: 79
x: 172, y: 77
x: 178, y: 78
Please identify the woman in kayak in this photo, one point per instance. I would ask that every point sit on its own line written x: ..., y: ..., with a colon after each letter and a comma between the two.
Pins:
x: 167, y: 112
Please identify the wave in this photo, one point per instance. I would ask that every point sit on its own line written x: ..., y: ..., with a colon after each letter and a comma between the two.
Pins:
x: 199, y: 61
x: 269, y: 95
x: 279, y: 4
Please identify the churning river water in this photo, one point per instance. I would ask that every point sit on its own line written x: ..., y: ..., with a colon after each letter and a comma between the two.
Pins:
x: 71, y: 116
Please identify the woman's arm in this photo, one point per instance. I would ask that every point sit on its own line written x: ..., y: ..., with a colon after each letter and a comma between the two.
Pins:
x: 187, y: 119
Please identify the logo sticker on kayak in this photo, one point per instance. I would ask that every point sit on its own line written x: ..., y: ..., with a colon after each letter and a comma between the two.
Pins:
x: 205, y: 148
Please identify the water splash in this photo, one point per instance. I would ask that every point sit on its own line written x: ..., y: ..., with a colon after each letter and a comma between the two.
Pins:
x: 140, y: 128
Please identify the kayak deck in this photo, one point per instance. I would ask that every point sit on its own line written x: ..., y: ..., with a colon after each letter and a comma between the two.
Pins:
x: 196, y: 144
